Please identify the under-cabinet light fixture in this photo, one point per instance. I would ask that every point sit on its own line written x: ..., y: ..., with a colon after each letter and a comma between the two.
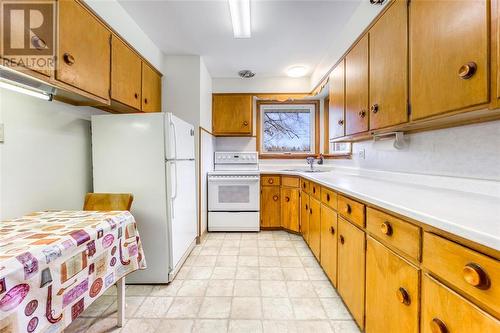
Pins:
x: 17, y: 88
x: 240, y: 18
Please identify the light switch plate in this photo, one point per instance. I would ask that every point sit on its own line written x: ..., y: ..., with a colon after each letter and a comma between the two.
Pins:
x: 1, y: 133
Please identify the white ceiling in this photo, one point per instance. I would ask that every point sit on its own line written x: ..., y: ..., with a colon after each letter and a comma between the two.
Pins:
x: 284, y: 32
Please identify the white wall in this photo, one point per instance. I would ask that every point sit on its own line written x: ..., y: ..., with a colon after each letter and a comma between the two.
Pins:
x: 205, y: 97
x: 262, y: 85
x: 45, y: 161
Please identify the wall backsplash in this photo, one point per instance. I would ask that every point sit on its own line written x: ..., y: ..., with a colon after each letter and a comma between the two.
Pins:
x: 471, y: 151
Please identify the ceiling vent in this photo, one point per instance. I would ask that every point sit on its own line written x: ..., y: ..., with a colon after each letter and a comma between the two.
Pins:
x: 246, y: 74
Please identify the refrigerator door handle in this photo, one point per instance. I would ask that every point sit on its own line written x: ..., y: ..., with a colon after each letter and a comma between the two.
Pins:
x: 175, y: 138
x: 173, y: 196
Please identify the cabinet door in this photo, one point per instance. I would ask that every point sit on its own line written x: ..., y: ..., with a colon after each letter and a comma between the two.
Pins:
x: 329, y: 243
x: 389, y: 68
x: 270, y: 206
x: 314, y: 226
x: 392, y: 295
x: 151, y: 89
x: 290, y: 208
x: 449, y: 55
x: 337, y: 101
x: 304, y: 215
x: 356, y: 88
x: 84, y: 50
x: 125, y: 74
x: 496, y: 69
x: 445, y: 311
x: 351, y: 269
x: 232, y: 114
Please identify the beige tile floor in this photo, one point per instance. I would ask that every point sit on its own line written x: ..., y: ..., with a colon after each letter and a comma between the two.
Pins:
x: 233, y: 282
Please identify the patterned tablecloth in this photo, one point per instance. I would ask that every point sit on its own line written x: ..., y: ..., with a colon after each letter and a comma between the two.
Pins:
x: 53, y: 265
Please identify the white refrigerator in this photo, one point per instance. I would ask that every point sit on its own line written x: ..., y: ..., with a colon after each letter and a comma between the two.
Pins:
x: 152, y: 157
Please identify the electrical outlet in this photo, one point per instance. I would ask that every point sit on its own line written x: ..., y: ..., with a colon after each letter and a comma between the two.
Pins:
x: 361, y: 154
x: 1, y: 133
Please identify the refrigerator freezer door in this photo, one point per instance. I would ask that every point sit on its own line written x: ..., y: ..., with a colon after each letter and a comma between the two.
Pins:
x: 179, y: 136
x: 182, y: 208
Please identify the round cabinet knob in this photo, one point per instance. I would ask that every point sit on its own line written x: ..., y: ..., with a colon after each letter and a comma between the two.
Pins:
x: 348, y: 209
x: 68, y: 59
x: 270, y: 180
x: 287, y: 199
x: 467, y: 71
x: 136, y: 95
x: 307, y: 207
x: 332, y: 230
x: 362, y: 113
x: 328, y: 197
x: 342, y: 240
x: 438, y: 326
x: 275, y: 197
x: 476, y: 276
x: 145, y: 101
x: 340, y: 122
x: 403, y: 296
x: 245, y: 123
x: 386, y: 228
x: 374, y: 108
x: 314, y: 189
x: 310, y: 211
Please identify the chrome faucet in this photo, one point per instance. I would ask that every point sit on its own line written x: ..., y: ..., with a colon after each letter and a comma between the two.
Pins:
x: 310, y: 160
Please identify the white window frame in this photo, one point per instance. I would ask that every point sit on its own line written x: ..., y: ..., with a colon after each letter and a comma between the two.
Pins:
x: 290, y: 108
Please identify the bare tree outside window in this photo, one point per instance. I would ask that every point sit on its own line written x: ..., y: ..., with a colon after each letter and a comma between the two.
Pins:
x: 287, y: 130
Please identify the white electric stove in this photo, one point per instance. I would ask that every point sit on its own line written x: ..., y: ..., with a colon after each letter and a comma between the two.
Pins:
x: 234, y: 192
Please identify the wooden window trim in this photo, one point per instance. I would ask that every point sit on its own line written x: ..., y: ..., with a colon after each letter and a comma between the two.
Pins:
x: 316, y: 104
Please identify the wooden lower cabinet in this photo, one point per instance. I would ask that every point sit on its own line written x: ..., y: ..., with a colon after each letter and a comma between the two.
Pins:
x: 351, y: 269
x: 270, y: 205
x: 290, y: 205
x: 328, y: 243
x: 304, y: 215
x: 392, y: 293
x: 445, y: 311
x: 314, y: 226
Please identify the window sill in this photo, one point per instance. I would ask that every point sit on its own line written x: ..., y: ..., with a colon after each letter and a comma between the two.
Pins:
x: 301, y: 156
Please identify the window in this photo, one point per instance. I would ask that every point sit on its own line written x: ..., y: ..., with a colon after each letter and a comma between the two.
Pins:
x: 288, y: 129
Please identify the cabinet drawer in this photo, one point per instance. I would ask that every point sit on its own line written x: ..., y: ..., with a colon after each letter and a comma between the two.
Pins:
x: 445, y: 311
x: 270, y: 180
x: 304, y: 185
x: 290, y: 181
x: 315, y: 190
x: 398, y: 233
x: 475, y: 274
x: 351, y: 210
x: 329, y: 198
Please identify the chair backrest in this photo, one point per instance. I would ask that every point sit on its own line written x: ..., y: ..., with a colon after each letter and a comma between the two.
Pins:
x: 108, y: 201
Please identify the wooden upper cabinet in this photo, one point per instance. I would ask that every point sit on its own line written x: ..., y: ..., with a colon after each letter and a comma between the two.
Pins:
x: 151, y: 89
x: 351, y: 269
x: 314, y: 226
x: 356, y: 88
x: 495, y: 69
x: 337, y: 101
x: 290, y: 205
x: 329, y: 243
x: 389, y: 67
x: 444, y: 311
x: 126, y: 74
x: 304, y: 215
x: 83, y: 57
x: 232, y: 114
x: 270, y: 207
x: 448, y: 55
x: 392, y: 293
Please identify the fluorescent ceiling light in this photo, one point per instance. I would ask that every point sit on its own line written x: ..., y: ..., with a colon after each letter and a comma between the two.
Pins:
x: 240, y: 17
x: 26, y: 91
x: 297, y: 71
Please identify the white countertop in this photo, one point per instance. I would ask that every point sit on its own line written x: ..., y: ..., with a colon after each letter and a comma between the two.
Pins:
x: 473, y: 215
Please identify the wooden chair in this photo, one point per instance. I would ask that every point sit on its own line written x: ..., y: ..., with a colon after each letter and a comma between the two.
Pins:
x: 108, y: 201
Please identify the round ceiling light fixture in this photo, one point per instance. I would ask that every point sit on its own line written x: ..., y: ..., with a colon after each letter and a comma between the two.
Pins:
x: 246, y: 74
x: 297, y: 71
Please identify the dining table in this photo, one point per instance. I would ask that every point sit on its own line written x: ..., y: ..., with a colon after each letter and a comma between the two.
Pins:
x: 55, y: 264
